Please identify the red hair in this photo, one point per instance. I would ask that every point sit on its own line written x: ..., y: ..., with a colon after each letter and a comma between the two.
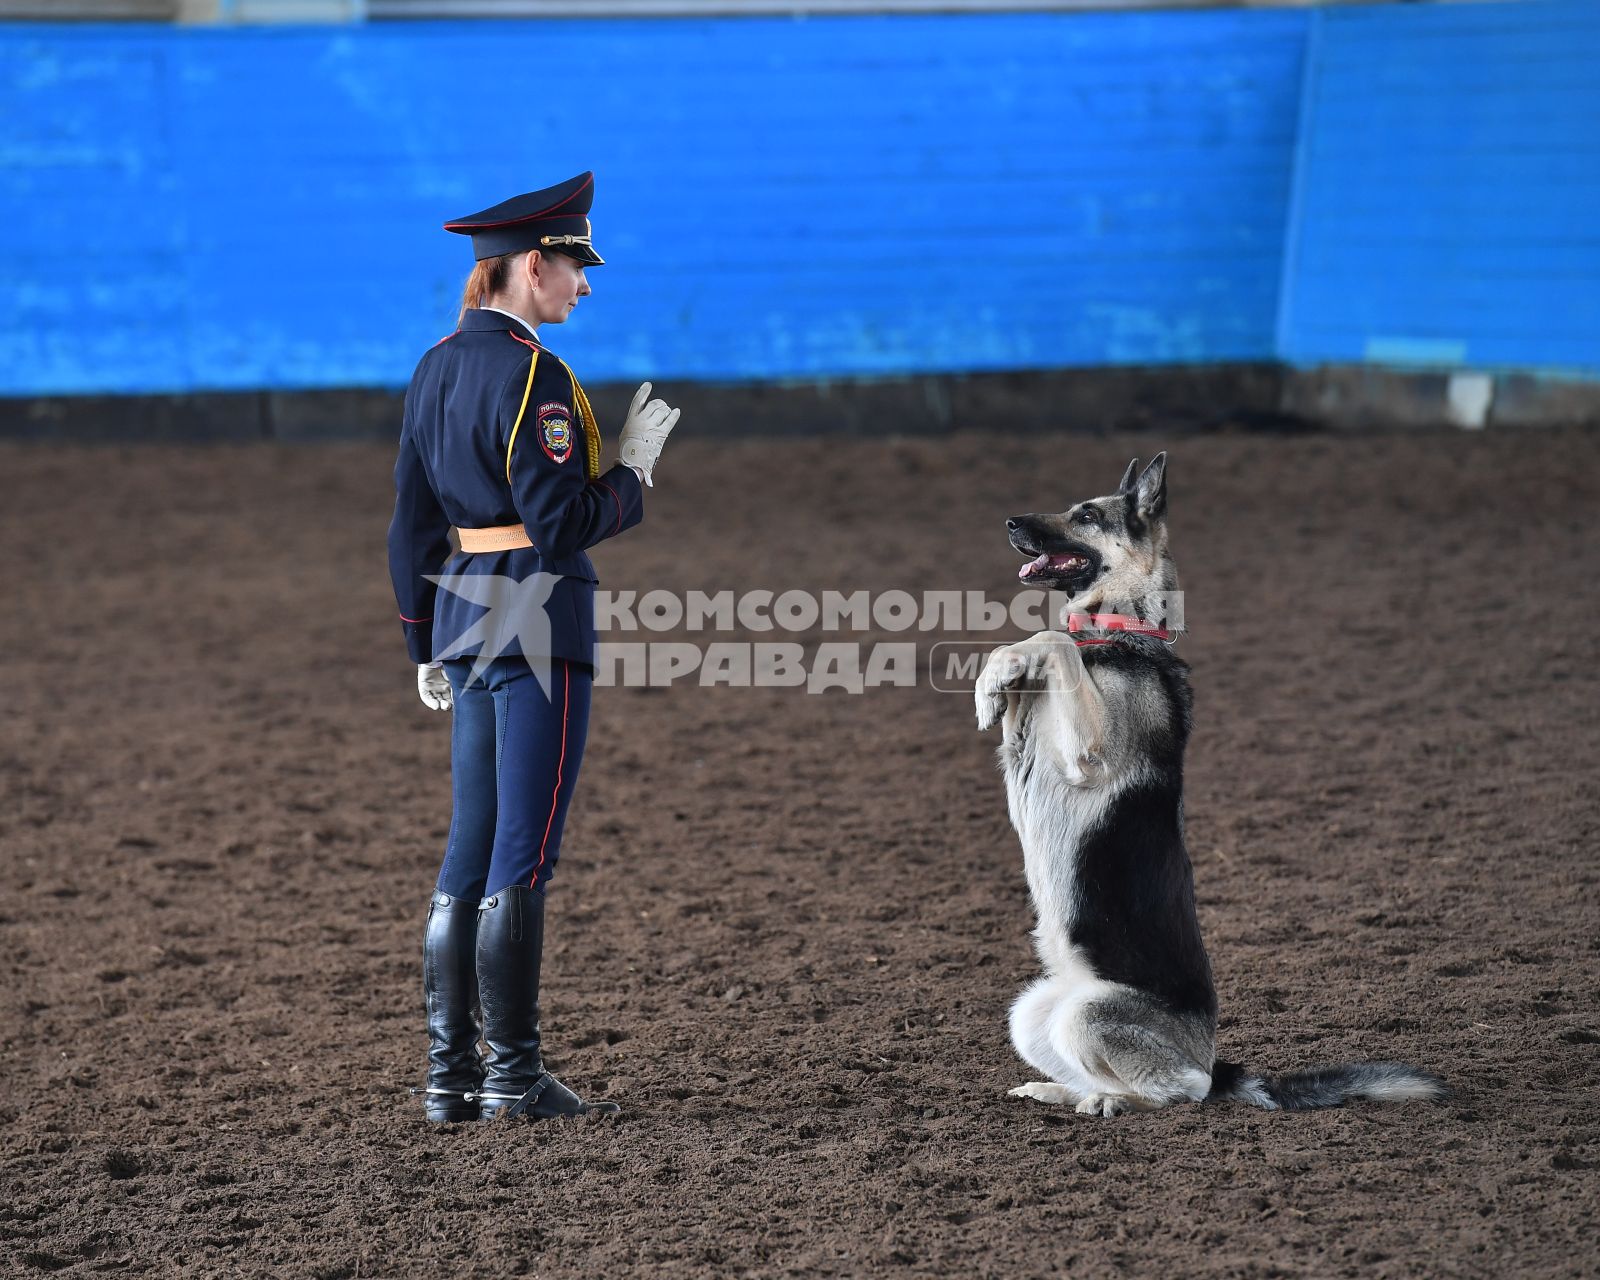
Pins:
x: 489, y: 276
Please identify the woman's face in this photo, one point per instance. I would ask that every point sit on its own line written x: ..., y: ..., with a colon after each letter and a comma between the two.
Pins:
x: 560, y: 283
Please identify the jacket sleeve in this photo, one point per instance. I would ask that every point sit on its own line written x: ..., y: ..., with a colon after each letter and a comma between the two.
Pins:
x: 563, y: 512
x: 419, y: 544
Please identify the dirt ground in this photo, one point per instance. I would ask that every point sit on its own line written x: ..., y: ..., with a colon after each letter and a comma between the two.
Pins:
x: 786, y: 928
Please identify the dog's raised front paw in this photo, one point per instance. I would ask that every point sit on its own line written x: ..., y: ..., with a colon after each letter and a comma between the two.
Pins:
x: 1006, y: 669
x: 1047, y: 1091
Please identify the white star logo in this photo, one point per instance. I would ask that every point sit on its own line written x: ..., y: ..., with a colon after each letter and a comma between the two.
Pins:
x: 516, y: 611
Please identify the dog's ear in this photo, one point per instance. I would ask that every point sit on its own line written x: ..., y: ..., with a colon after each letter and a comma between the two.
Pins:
x: 1127, y: 477
x: 1150, y: 490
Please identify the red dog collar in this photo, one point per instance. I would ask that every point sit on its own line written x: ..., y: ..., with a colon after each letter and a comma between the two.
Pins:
x: 1113, y: 622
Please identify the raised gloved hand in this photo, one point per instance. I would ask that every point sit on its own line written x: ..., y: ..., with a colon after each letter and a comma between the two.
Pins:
x: 434, y: 686
x: 645, y: 431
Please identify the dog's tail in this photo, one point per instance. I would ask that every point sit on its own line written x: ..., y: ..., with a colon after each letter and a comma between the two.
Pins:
x: 1330, y: 1086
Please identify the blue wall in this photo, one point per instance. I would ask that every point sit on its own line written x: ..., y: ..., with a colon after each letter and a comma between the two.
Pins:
x: 187, y: 209
x: 775, y: 197
x: 1447, y: 206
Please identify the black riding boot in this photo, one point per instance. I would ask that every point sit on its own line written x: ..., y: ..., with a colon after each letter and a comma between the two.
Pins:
x: 510, y: 940
x: 450, y: 984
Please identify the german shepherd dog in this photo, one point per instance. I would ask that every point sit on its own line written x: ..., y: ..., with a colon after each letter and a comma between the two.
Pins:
x: 1095, y: 722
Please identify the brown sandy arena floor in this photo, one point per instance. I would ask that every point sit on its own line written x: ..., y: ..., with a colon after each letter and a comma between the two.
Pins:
x: 786, y: 928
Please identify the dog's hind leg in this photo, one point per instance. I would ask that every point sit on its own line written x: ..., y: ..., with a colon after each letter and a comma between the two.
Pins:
x: 1139, y: 1065
x: 1032, y: 1016
x: 1048, y: 1092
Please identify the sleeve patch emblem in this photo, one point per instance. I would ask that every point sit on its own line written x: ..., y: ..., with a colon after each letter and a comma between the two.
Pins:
x: 555, y: 430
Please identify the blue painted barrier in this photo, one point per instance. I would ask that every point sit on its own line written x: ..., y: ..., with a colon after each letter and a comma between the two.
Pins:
x: 778, y: 198
x: 1448, y: 189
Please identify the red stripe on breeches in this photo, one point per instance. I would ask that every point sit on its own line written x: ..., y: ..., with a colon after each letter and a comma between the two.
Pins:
x: 515, y: 754
x: 561, y: 760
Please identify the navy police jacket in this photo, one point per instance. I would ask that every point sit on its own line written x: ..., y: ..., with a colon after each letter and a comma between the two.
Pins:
x: 494, y: 434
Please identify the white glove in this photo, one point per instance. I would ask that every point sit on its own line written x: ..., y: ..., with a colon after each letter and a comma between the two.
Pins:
x: 434, y: 686
x: 645, y: 431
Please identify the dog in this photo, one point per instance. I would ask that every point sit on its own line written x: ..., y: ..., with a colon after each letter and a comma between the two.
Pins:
x: 1095, y: 720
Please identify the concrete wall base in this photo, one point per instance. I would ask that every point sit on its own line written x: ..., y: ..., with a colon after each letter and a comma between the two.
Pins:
x: 1367, y: 397
x: 1169, y: 398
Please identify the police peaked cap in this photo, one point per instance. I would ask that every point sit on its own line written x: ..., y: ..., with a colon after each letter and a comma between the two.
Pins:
x: 553, y: 220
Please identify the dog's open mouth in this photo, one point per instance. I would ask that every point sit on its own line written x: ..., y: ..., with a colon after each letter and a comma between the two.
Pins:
x: 1061, y: 562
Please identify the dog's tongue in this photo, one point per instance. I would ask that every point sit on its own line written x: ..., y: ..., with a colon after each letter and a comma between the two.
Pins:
x: 1047, y: 561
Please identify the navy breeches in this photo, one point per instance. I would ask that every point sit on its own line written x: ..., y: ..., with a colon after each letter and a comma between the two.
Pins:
x: 514, y: 757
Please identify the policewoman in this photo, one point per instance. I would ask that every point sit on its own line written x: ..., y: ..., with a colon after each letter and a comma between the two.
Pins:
x: 500, y: 443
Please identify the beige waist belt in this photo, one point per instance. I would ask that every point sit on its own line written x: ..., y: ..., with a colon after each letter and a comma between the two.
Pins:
x: 501, y: 537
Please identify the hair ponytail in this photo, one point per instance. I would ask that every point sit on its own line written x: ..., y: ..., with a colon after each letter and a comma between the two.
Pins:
x: 489, y: 276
